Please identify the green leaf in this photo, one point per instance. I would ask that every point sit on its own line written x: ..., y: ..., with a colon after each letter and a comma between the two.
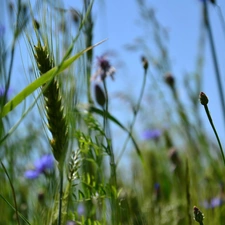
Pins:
x: 42, y: 80
x: 81, y: 194
x: 113, y: 119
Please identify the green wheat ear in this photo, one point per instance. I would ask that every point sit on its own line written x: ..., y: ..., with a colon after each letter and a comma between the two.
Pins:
x: 57, y: 123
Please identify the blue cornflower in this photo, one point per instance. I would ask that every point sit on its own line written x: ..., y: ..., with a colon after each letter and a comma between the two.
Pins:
x: 70, y: 222
x: 41, y: 165
x: 2, y: 91
x: 151, y: 134
x: 81, y: 209
x: 213, y: 203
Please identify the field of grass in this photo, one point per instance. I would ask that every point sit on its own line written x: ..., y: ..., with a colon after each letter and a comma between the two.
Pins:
x: 68, y: 159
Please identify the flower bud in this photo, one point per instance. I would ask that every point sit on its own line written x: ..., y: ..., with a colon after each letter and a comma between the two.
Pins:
x: 169, y: 78
x: 99, y: 95
x: 144, y: 62
x: 198, y: 215
x: 203, y: 98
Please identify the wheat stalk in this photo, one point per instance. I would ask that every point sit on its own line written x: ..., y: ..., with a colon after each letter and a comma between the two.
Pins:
x: 57, y: 123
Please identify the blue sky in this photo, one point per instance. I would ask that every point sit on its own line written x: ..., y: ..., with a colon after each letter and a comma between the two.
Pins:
x: 118, y: 21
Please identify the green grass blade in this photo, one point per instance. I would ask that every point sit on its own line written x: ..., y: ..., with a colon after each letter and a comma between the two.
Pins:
x: 40, y: 81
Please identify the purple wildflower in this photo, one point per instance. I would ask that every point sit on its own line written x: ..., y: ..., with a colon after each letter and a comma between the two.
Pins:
x: 70, y: 222
x: 104, y: 69
x: 151, y: 134
x: 3, y: 90
x: 81, y: 209
x: 40, y: 166
x: 213, y: 203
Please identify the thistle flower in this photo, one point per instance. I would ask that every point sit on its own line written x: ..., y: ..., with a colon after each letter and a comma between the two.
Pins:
x: 41, y: 166
x: 198, y: 215
x: 104, y: 69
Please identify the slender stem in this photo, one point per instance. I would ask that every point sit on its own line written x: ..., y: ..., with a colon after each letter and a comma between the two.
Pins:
x: 60, y: 196
x: 115, y: 212
x: 215, y: 61
x: 136, y: 109
x: 214, y: 129
x: 13, y: 192
x: 89, y: 38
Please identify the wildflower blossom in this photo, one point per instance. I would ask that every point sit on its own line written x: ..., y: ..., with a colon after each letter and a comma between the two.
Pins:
x: 81, y: 209
x: 151, y: 134
x: 41, y: 165
x: 213, y: 203
x: 104, y: 69
x: 3, y: 90
x: 70, y: 222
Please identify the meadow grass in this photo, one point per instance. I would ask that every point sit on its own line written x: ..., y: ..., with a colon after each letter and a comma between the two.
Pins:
x: 60, y: 160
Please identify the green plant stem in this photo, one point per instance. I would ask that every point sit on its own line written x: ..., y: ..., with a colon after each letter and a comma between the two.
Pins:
x: 115, y: 211
x: 13, y: 192
x: 89, y: 38
x: 20, y: 215
x: 136, y: 109
x: 60, y: 196
x: 215, y: 61
x: 214, y: 129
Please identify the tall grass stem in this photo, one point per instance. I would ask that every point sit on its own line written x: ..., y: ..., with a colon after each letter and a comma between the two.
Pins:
x: 215, y: 60
x: 136, y: 109
x: 215, y: 132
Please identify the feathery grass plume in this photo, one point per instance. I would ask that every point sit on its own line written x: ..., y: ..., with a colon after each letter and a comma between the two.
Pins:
x: 57, y: 123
